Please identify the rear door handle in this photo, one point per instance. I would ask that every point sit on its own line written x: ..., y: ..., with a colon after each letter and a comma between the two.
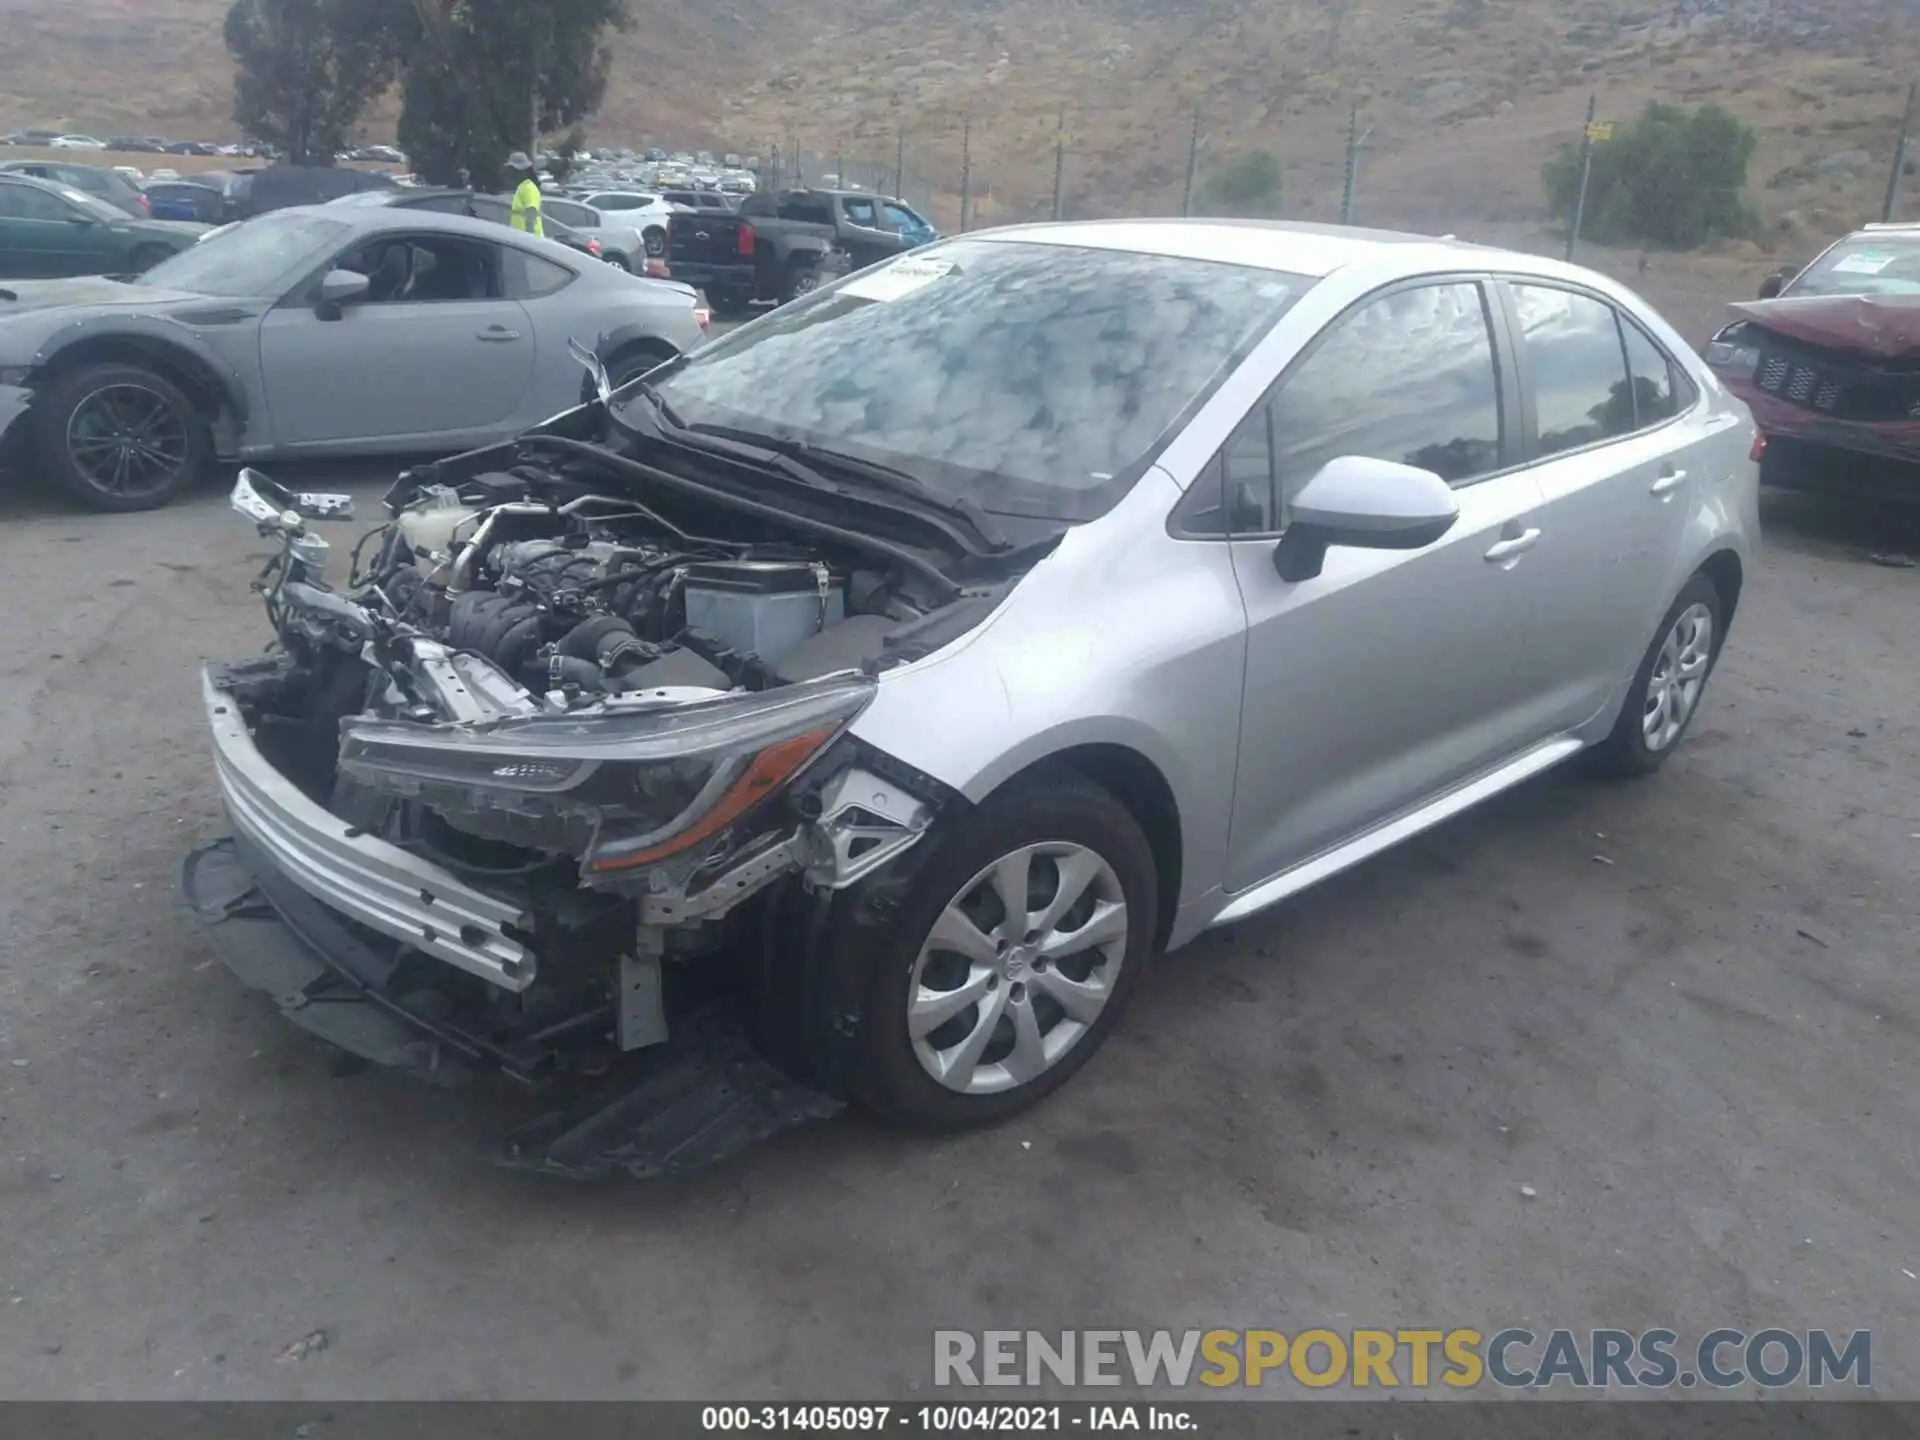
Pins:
x: 1669, y: 482
x: 498, y: 334
x: 1518, y: 545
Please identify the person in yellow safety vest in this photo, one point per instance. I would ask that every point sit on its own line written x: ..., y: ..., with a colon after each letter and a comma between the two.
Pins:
x: 526, y: 195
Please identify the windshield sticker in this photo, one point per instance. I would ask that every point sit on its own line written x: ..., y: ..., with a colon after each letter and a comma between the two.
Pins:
x: 898, y: 280
x: 1867, y: 262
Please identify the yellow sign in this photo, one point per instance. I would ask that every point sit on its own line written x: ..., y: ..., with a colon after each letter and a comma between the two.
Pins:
x: 1600, y: 130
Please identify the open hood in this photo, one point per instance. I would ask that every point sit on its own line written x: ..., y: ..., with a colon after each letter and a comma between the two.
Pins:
x: 1886, y: 327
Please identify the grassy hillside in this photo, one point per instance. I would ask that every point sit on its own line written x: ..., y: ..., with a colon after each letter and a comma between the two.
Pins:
x: 1463, y: 98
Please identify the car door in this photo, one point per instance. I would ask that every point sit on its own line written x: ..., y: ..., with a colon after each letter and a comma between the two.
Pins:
x: 1619, y: 460
x: 1393, y: 675
x: 434, y: 354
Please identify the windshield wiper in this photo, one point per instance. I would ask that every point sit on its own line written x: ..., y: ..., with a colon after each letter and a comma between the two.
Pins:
x: 885, y: 477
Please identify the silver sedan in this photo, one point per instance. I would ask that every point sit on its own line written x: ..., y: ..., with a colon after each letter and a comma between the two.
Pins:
x: 1108, y: 583
x: 316, y: 332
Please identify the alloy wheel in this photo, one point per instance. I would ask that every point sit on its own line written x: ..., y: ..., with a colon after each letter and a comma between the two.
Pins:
x: 1017, y: 968
x: 1679, y: 674
x: 127, y: 440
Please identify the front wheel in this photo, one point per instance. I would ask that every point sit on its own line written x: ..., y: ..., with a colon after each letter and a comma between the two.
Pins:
x: 1016, y: 948
x: 1666, y: 690
x: 802, y: 280
x: 120, y: 437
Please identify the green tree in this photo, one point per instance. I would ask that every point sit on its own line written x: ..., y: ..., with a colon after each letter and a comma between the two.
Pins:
x: 1247, y: 186
x: 305, y: 71
x: 1673, y: 177
x: 483, y: 78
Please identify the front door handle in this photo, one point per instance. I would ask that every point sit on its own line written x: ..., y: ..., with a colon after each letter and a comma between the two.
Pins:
x: 498, y: 334
x: 1669, y: 481
x: 1518, y: 545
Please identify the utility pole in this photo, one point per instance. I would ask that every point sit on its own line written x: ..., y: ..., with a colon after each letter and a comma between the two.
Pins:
x: 1586, y: 174
x: 1193, y: 163
x: 1900, y: 156
x: 1060, y: 165
x: 840, y: 164
x: 899, y: 161
x: 1356, y: 140
x: 966, y: 176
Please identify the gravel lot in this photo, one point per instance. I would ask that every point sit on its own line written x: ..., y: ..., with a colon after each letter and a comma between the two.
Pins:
x: 1684, y: 1012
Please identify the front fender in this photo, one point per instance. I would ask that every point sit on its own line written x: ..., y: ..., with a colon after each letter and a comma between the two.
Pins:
x: 167, y: 339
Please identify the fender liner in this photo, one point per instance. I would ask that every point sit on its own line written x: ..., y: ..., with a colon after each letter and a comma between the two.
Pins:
x: 147, y: 340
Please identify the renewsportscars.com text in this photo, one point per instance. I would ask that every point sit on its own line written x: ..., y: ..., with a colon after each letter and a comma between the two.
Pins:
x: 1514, y: 1358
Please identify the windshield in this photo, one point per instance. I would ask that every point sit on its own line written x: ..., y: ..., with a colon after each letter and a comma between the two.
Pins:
x: 263, y: 257
x: 1031, y: 379
x: 1869, y: 265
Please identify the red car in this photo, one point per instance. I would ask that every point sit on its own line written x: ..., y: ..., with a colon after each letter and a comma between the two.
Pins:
x: 1829, y: 363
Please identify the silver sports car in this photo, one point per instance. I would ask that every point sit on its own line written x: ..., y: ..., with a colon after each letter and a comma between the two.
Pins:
x: 313, y: 332
x: 929, y: 654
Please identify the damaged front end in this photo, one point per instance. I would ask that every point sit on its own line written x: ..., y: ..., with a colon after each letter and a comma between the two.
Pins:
x: 1833, y: 376
x: 524, y: 794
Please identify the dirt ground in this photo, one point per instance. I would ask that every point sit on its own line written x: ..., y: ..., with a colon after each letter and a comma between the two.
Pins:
x: 1683, y: 1013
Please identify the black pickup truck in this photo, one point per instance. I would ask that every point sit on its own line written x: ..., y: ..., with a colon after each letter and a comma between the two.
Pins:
x: 780, y: 246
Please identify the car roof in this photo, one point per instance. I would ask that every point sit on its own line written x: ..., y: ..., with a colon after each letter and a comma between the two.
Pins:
x: 373, y: 219
x: 1296, y: 247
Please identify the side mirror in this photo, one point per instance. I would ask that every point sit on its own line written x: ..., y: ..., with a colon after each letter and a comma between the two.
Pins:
x: 339, y: 289
x: 1771, y: 287
x: 1366, y: 504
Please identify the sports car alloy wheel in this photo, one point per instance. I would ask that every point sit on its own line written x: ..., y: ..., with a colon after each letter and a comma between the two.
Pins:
x: 1678, y: 675
x: 1017, y: 968
x: 128, y: 440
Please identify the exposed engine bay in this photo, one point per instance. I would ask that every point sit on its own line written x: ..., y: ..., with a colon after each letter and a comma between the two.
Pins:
x: 548, y: 748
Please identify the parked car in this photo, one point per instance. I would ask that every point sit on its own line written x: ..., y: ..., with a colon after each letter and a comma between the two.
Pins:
x: 76, y: 142
x: 332, y: 330
x: 943, y: 647
x: 185, y: 200
x: 629, y: 239
x: 738, y: 259
x: 647, y: 212
x: 1829, y: 361
x: 869, y: 227
x: 109, y: 185
x: 49, y: 230
x: 277, y: 187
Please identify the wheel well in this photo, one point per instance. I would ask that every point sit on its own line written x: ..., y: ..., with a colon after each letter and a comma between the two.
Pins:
x: 195, y: 380
x: 1723, y: 569
x: 635, y: 348
x: 1136, y: 782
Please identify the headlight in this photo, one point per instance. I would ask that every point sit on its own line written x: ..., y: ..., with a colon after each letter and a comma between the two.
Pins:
x: 618, y: 789
x: 1733, y: 349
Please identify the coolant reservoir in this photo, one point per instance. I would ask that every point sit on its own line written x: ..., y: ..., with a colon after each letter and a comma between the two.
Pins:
x: 430, y: 527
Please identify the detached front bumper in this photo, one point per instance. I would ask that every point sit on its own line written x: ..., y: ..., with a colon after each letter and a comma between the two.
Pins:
x: 366, y: 879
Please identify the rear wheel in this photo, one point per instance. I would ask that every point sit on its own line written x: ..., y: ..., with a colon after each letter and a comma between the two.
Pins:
x: 730, y: 303
x: 802, y: 280
x: 1016, y: 948
x: 120, y: 437
x: 618, y: 261
x: 1668, y: 686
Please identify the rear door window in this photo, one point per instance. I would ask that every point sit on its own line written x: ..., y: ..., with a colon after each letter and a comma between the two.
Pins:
x: 1582, y: 394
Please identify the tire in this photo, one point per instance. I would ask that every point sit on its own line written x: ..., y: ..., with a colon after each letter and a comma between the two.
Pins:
x: 632, y: 364
x: 730, y: 304
x: 1049, y: 820
x: 120, y: 437
x: 1641, y: 743
x: 655, y: 239
x: 148, y: 256
x: 801, y: 281
x: 618, y: 261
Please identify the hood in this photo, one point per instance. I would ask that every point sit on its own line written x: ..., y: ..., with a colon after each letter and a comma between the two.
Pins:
x: 92, y: 292
x: 1886, y: 327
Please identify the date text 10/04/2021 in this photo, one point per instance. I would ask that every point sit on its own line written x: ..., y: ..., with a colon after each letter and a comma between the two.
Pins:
x: 946, y: 1419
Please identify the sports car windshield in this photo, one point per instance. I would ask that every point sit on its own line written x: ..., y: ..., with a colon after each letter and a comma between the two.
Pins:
x: 1031, y: 379
x: 1867, y: 266
x: 263, y: 258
